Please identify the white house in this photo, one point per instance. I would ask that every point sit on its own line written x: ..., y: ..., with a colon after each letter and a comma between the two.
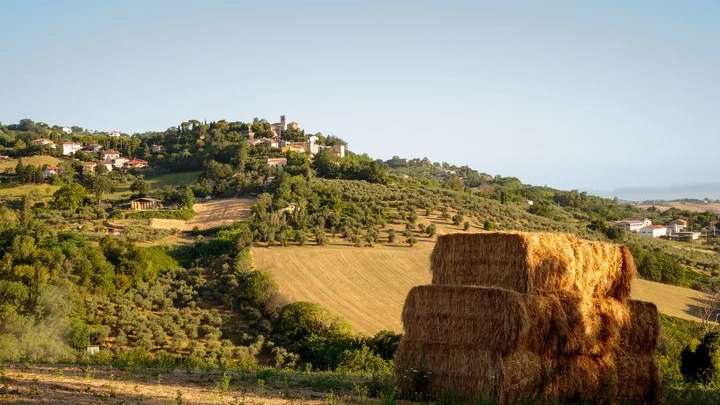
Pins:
x: 67, y: 130
x: 677, y: 225
x: 44, y: 142
x: 653, y: 231
x: 71, y: 147
x: 634, y: 224
x: 120, y: 162
x: 109, y: 154
x: 50, y: 170
x: 107, y: 163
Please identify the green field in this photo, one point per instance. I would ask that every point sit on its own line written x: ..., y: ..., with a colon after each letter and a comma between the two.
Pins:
x: 122, y: 190
x: 38, y: 160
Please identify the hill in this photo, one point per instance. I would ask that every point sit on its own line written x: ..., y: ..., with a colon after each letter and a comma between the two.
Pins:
x: 368, y: 286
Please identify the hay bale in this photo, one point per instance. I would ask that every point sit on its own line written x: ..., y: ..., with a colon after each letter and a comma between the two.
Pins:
x: 641, y: 334
x: 532, y: 262
x: 581, y: 379
x: 504, y: 321
x: 566, y: 324
x: 469, y: 372
x: 490, y: 318
x: 638, y: 379
x: 461, y: 369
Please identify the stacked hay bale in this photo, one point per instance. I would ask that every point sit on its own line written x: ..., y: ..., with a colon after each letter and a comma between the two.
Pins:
x: 514, y: 316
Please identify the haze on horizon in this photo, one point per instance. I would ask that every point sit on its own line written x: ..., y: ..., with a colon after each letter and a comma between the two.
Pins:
x: 603, y: 96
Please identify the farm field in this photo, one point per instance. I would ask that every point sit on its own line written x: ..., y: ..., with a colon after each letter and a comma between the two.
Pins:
x: 367, y: 286
x: 36, y: 160
x: 210, y: 214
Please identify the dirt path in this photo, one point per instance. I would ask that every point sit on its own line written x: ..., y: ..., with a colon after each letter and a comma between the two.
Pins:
x: 74, y: 385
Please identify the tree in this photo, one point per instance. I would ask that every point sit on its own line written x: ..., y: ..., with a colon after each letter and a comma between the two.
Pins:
x: 70, y: 196
x: 99, y: 185
x: 391, y: 235
x: 140, y: 187
x: 431, y: 229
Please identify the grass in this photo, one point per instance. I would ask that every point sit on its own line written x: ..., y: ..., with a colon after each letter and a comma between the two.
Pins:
x: 122, y: 190
x: 174, y: 179
x: 45, y: 191
x: 36, y: 160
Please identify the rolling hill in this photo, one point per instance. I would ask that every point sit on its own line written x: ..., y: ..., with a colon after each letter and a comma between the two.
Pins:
x: 367, y: 286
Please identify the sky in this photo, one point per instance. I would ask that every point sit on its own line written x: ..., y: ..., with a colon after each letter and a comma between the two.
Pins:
x: 602, y: 96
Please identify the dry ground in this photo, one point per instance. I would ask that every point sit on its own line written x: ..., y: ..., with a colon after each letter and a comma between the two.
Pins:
x: 106, y: 385
x: 210, y: 214
x: 367, y: 286
x: 694, y: 207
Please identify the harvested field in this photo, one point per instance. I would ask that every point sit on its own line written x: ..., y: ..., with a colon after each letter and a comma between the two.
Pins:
x: 211, y: 214
x: 367, y: 286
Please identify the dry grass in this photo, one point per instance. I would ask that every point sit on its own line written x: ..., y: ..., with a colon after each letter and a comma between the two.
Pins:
x: 369, y: 285
x: 211, y: 214
x: 96, y: 385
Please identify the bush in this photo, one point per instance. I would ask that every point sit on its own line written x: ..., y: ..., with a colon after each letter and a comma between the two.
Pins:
x: 363, y: 360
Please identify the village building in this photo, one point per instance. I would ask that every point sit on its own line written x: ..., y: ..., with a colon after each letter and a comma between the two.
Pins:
x: 67, y: 130
x: 633, y: 224
x: 338, y: 150
x: 88, y: 167
x: 653, y: 231
x: 109, y: 154
x: 4, y: 157
x: 157, y: 148
x: 52, y: 170
x: 44, y: 142
x: 93, y: 148
x: 136, y: 164
x: 108, y: 164
x: 120, y: 162
x: 677, y: 225
x: 145, y: 203
x: 71, y: 147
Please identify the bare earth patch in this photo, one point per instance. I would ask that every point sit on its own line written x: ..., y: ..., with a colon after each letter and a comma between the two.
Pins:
x: 97, y: 385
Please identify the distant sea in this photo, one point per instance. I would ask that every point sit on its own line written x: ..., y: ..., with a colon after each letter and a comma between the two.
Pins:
x: 710, y: 191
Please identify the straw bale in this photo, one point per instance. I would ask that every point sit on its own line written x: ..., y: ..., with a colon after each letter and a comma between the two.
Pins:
x: 583, y: 379
x: 501, y: 320
x: 568, y: 324
x: 462, y: 369
x: 524, y: 376
x: 490, y: 318
x: 641, y: 334
x: 638, y: 379
x: 532, y: 262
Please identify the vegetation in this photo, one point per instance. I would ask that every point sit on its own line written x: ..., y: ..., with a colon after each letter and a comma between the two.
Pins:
x: 65, y: 283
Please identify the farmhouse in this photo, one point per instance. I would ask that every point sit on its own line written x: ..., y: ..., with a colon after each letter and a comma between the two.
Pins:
x: 633, y: 224
x: 653, y: 231
x: 136, y: 164
x: 677, y: 225
x: 157, y: 148
x: 119, y: 163
x: 89, y: 167
x: 108, y: 164
x: 4, y: 157
x: 145, y: 203
x: 109, y: 154
x: 44, y: 142
x: 71, y: 147
x: 51, y: 170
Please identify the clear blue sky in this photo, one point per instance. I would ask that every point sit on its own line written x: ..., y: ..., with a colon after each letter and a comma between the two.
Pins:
x: 573, y: 94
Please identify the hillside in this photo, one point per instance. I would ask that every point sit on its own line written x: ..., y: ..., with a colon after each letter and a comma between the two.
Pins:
x: 368, y: 286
